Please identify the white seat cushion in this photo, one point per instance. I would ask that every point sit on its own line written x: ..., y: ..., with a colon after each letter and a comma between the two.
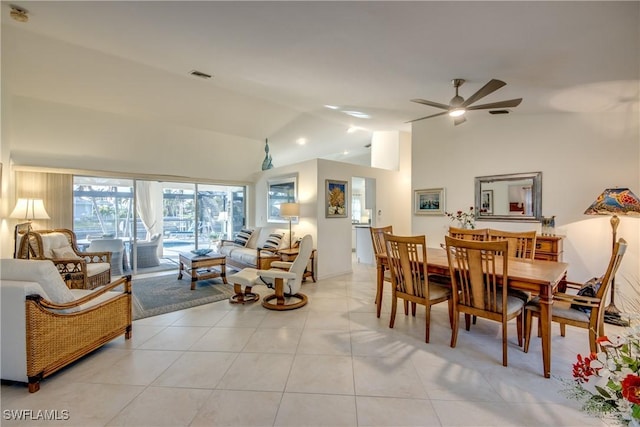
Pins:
x: 94, y: 268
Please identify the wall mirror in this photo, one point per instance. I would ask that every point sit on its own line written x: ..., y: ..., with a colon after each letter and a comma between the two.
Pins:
x: 511, y: 197
x: 281, y: 190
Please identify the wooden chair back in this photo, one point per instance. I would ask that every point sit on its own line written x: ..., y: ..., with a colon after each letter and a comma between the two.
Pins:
x: 479, y: 234
x: 479, y: 277
x: 407, y: 260
x: 522, y: 244
x: 377, y: 238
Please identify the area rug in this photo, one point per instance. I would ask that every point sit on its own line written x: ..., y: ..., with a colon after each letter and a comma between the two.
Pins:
x: 162, y: 294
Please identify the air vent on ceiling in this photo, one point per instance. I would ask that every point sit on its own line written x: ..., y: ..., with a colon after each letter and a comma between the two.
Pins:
x: 499, y: 112
x: 367, y: 146
x: 200, y: 74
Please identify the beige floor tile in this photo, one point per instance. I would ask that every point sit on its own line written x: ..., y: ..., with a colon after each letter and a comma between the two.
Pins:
x: 228, y: 408
x: 161, y: 406
x: 327, y: 320
x: 321, y: 374
x: 224, y: 339
x: 175, y: 338
x: 321, y: 341
x: 284, y: 319
x: 387, y: 377
x: 266, y: 340
x: 299, y: 409
x: 392, y: 412
x: 196, y: 370
x: 258, y: 372
x: 200, y: 316
x: 140, y: 367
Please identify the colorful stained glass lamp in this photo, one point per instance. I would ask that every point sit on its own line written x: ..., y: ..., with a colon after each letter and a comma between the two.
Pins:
x: 614, y: 202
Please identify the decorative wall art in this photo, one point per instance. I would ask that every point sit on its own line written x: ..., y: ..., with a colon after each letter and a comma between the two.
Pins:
x: 429, y: 202
x: 336, y: 199
x: 486, y: 202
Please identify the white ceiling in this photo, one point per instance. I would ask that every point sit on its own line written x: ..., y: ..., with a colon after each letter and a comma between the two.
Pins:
x: 277, y: 64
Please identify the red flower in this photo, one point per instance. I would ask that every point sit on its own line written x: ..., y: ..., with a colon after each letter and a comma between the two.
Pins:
x: 631, y: 388
x: 582, y: 369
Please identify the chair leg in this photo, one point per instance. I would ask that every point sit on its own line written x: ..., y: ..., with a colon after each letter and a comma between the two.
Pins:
x: 406, y: 307
x: 454, y: 328
x: 450, y: 302
x: 467, y: 321
x: 519, y: 325
x: 379, y: 291
x: 427, y: 321
x: 527, y: 326
x: 592, y: 341
x: 563, y: 329
x: 394, y: 307
x: 504, y: 344
x: 413, y: 309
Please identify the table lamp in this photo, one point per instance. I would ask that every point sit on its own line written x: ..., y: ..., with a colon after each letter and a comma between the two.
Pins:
x: 614, y: 202
x: 290, y: 210
x: 28, y: 210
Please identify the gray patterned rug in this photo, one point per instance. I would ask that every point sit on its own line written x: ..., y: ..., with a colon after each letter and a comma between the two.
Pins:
x: 162, y: 294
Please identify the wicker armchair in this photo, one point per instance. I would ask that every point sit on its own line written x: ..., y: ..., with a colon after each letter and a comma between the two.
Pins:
x: 80, y: 270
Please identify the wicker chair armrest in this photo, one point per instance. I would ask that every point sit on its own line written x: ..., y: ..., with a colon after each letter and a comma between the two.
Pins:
x: 125, y: 280
x: 70, y: 265
x: 96, y: 256
x: 581, y: 300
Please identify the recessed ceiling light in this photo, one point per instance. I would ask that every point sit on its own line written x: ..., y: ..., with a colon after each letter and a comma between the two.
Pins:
x: 301, y: 141
x: 358, y: 114
x: 331, y: 107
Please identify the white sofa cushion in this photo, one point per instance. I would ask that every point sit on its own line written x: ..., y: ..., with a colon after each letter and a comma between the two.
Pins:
x: 65, y: 252
x: 52, y: 241
x: 94, y: 268
x: 43, y: 272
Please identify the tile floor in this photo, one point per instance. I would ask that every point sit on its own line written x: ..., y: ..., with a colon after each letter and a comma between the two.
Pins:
x: 330, y: 363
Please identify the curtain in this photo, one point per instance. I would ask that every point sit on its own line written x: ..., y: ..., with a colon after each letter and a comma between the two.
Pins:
x: 56, y: 192
x: 146, y: 194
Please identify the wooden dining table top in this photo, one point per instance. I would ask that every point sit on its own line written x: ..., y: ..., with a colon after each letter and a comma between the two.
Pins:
x: 523, y: 273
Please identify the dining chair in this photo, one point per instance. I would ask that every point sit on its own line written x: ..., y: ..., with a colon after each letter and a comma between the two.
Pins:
x: 379, y: 248
x: 468, y: 234
x: 579, y: 310
x: 522, y: 244
x: 407, y: 259
x: 479, y: 277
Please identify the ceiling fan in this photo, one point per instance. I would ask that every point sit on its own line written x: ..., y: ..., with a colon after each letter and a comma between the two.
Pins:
x: 458, y: 106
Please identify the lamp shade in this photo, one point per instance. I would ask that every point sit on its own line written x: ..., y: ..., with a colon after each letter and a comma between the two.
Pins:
x: 615, y: 201
x: 287, y: 210
x: 29, y: 209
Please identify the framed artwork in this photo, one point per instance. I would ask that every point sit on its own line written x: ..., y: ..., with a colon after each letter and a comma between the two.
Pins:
x: 429, y: 202
x: 280, y: 190
x: 486, y: 202
x: 336, y: 199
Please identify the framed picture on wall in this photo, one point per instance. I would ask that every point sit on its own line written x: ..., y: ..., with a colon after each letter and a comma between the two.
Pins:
x: 486, y: 202
x: 335, y: 199
x: 429, y: 201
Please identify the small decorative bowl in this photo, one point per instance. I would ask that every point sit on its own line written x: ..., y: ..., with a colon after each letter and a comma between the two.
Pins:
x: 201, y: 252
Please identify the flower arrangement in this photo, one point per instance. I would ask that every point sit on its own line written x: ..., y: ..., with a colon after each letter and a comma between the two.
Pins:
x: 465, y: 219
x: 608, y: 383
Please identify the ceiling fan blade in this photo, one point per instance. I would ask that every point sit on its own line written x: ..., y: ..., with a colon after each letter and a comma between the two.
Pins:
x: 499, y: 104
x: 430, y: 103
x: 485, y: 90
x: 459, y: 120
x: 427, y: 117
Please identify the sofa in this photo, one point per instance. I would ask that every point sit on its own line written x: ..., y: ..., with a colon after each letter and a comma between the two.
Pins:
x: 258, y: 249
x: 45, y: 326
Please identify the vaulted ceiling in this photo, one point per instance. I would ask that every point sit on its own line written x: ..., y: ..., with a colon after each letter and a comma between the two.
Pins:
x: 277, y: 65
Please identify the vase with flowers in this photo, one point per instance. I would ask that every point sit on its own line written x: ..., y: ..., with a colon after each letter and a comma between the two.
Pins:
x: 465, y: 219
x: 608, y: 383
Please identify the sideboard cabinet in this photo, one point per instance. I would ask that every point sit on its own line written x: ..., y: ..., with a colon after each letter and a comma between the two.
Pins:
x: 549, y: 247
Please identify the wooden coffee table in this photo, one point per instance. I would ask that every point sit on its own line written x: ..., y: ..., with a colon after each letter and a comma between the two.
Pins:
x: 201, y: 266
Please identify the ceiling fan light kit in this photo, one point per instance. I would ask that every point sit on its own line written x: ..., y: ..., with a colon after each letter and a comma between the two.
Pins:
x: 458, y: 106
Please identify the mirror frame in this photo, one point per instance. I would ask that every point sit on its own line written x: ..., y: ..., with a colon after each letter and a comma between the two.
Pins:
x: 291, y: 183
x: 536, y: 192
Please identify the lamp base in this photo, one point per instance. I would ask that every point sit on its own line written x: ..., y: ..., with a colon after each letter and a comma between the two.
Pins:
x: 613, y: 316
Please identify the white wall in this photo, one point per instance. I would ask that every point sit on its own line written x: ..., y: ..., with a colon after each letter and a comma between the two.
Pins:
x: 332, y: 236
x: 579, y: 155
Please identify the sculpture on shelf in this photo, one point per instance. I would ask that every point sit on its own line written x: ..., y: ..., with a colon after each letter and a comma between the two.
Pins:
x: 266, y: 163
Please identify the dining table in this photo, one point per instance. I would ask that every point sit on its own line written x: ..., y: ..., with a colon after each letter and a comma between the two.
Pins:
x: 539, y: 277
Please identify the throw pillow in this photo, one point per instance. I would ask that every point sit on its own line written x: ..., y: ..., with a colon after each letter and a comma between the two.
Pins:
x: 64, y: 253
x: 243, y: 237
x: 273, y: 241
x: 589, y: 289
